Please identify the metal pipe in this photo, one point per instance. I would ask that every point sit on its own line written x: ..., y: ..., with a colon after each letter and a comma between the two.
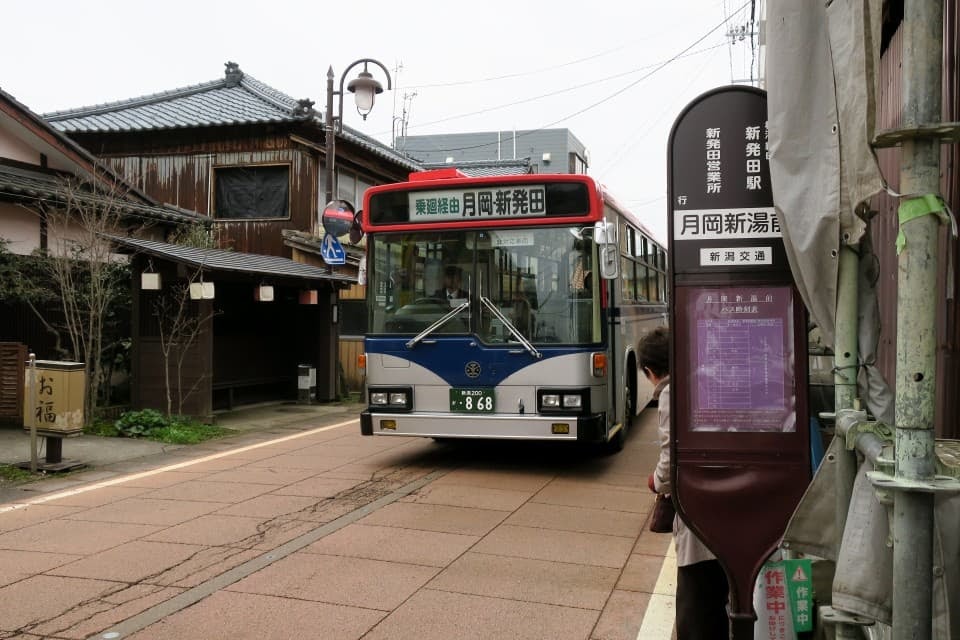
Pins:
x: 916, y: 326
x: 33, y: 412
x: 845, y: 360
x: 330, y: 134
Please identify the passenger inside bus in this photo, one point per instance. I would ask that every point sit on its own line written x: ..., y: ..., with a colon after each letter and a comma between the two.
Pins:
x: 522, y: 313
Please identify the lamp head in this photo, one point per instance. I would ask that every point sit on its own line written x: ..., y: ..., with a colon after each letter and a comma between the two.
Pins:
x: 364, y: 87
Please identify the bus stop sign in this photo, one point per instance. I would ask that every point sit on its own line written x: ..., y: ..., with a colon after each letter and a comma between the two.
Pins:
x: 740, y: 452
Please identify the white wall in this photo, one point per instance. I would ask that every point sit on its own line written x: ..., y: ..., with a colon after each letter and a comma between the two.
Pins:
x: 20, y: 228
x: 15, y: 149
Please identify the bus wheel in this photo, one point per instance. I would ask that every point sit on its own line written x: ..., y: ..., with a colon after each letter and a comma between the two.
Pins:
x: 615, y: 444
x: 629, y: 400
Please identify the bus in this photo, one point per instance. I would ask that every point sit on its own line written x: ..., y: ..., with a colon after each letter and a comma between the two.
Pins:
x: 556, y: 283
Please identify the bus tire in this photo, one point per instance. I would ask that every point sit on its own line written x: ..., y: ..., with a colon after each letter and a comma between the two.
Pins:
x: 616, y: 443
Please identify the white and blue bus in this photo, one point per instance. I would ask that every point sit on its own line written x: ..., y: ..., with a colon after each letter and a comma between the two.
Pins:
x: 554, y: 285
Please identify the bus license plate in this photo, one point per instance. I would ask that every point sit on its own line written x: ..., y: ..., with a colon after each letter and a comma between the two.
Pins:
x: 471, y: 400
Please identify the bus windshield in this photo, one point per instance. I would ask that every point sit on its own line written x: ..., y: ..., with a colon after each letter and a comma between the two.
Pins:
x: 540, y: 279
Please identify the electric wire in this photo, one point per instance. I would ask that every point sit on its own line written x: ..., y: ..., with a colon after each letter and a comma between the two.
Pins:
x: 629, y: 86
x: 554, y: 93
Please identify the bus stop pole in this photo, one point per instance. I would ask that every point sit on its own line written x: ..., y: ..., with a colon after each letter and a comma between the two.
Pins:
x: 916, y: 326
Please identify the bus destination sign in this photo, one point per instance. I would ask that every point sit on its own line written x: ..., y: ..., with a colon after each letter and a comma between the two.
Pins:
x: 512, y: 201
x: 721, y: 201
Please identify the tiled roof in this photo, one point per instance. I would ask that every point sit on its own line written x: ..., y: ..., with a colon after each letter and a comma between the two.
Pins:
x: 237, y: 98
x: 24, y: 183
x: 483, y: 168
x: 234, y: 261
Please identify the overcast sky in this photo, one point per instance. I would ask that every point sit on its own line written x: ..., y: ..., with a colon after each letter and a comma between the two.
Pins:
x: 614, y: 72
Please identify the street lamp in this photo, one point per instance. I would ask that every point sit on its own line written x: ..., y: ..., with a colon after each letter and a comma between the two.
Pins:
x: 365, y: 88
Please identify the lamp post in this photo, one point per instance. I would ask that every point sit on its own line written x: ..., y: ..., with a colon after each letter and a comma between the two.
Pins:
x: 365, y: 88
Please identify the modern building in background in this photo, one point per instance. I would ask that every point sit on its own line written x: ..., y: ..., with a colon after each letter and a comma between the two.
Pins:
x: 546, y: 150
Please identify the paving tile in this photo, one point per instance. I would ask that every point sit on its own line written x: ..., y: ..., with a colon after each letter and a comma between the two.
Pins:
x: 559, y: 583
x: 551, y: 516
x: 395, y: 545
x: 73, y: 536
x: 281, y: 531
x: 327, y: 510
x: 217, y: 464
x: 17, y: 565
x: 622, y: 616
x: 90, y: 617
x: 206, y: 564
x: 40, y: 598
x: 163, y: 479
x: 131, y: 562
x: 261, y: 475
x: 271, y: 506
x: 32, y: 514
x: 439, y: 615
x: 558, y: 546
x: 653, y: 544
x: 146, y: 511
x: 478, y: 498
x: 372, y: 584
x: 316, y: 463
x: 228, y: 615
x: 641, y: 573
x: 436, y: 517
x: 613, y: 478
x: 512, y: 480
x: 203, y: 491
x: 317, y: 487
x: 100, y: 496
x: 218, y: 530
x: 585, y: 494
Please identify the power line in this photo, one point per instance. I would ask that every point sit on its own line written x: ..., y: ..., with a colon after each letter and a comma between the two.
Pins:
x: 657, y: 68
x: 551, y: 94
x: 518, y: 75
x: 525, y: 73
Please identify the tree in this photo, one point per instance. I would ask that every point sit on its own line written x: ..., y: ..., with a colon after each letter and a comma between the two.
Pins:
x: 180, y: 324
x: 89, y: 276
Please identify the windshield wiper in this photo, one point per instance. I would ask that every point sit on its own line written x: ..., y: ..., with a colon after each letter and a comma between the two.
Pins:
x: 436, y: 325
x: 509, y: 325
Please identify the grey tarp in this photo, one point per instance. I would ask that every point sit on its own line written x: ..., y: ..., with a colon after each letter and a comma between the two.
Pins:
x: 821, y: 71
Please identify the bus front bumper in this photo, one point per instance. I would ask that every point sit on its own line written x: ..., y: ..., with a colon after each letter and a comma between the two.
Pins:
x: 588, y: 428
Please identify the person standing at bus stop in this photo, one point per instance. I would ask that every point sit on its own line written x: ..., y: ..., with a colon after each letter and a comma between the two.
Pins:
x: 702, y: 589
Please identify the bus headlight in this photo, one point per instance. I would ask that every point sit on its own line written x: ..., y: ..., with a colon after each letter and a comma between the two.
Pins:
x: 394, y: 398
x: 563, y: 401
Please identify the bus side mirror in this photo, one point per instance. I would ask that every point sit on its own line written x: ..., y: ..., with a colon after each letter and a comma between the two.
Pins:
x: 605, y: 235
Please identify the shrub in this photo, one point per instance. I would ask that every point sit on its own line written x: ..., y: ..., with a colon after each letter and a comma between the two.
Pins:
x: 150, y: 423
x: 133, y: 424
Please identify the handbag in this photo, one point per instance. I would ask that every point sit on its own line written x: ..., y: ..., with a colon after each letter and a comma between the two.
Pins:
x: 661, y: 520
